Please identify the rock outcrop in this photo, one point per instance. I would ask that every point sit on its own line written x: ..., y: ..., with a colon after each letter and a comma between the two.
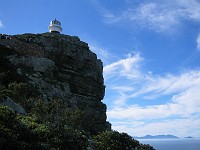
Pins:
x: 11, y: 104
x: 60, y: 66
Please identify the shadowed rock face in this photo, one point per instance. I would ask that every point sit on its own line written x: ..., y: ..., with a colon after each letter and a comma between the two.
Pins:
x: 60, y: 66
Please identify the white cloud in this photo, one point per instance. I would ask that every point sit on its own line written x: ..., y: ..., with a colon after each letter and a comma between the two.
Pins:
x: 171, y: 83
x: 198, y: 42
x: 1, y: 24
x: 179, y: 127
x: 152, y: 15
x: 127, y: 67
x: 128, y: 82
x: 161, y: 15
x: 102, y: 53
x: 183, y: 92
x: 109, y: 17
x: 190, y: 9
x: 183, y: 104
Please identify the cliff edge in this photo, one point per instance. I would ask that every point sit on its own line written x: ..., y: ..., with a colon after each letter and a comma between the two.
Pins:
x: 57, y: 66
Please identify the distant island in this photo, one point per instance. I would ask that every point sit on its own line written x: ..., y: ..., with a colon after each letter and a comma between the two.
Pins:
x: 157, y: 137
x: 189, y: 137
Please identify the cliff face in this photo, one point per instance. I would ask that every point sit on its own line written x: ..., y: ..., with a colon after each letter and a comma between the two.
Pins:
x: 58, y: 66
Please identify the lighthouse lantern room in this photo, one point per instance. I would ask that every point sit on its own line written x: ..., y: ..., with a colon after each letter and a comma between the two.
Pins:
x: 55, y: 26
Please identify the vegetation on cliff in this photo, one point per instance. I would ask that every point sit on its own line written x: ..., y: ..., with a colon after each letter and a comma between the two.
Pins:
x: 26, y: 132
x: 23, y: 132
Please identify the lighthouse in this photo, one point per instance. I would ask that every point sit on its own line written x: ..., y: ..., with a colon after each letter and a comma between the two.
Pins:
x: 55, y: 26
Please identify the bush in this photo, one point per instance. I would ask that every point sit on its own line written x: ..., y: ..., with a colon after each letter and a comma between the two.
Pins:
x: 113, y: 140
x: 26, y: 132
x: 6, y: 115
x: 145, y: 147
x: 57, y: 113
x: 19, y: 92
x: 20, y: 132
x: 69, y: 138
x: 37, y: 130
x: 4, y: 92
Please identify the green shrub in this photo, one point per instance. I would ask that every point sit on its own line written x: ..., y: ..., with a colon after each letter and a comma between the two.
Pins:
x: 57, y: 112
x: 27, y: 121
x: 69, y: 138
x: 113, y: 140
x: 20, y: 132
x: 6, y: 115
x: 42, y: 131
x: 145, y: 147
x: 75, y: 137
x: 19, y: 92
x: 4, y: 92
x: 37, y: 130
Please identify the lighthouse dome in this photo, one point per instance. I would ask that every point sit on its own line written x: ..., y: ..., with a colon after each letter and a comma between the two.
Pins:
x: 55, y: 26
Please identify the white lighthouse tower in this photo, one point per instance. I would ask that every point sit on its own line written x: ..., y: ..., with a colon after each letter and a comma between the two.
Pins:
x: 55, y: 26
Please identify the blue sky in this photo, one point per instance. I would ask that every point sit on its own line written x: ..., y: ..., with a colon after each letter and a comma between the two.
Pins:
x: 150, y: 50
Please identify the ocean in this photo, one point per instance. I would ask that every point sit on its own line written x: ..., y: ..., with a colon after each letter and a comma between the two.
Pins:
x: 173, y: 144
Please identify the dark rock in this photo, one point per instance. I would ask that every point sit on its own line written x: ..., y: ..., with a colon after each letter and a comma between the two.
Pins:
x: 61, y: 66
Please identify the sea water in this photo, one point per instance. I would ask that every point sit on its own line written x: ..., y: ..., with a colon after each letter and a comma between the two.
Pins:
x: 173, y: 144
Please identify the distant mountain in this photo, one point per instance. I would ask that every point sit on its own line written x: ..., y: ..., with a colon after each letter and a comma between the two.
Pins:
x: 157, y: 137
x: 189, y: 137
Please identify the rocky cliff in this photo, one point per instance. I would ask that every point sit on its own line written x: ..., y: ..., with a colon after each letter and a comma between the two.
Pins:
x: 58, y: 66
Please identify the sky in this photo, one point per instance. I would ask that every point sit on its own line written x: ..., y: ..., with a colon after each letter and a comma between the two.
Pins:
x: 150, y: 51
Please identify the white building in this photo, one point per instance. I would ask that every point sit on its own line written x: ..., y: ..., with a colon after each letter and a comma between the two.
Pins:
x: 55, y: 26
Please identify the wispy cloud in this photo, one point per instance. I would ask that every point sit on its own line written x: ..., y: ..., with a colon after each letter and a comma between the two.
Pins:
x: 151, y: 15
x: 190, y: 9
x: 179, y: 127
x: 119, y: 73
x: 170, y: 83
x: 180, y: 88
x: 1, y: 24
x: 156, y: 15
x: 132, y: 83
x: 127, y: 67
x: 198, y: 42
x: 109, y: 17
x: 102, y: 53
x: 182, y: 104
